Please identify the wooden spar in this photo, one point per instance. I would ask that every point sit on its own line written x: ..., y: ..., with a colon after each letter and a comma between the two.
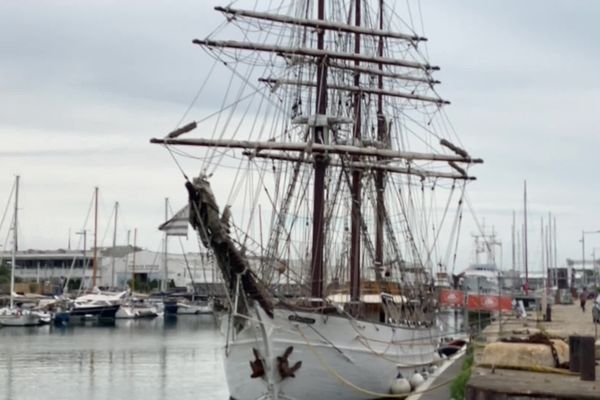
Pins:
x: 381, y: 72
x: 319, y: 148
x: 357, y: 90
x: 423, y: 173
x: 95, y: 260
x: 355, y: 190
x: 318, y: 232
x: 454, y: 148
x: 319, y: 53
x: 320, y: 24
x: 457, y: 168
x: 184, y: 129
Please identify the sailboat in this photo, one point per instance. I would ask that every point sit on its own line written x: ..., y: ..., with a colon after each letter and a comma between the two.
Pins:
x: 318, y: 122
x: 95, y: 304
x: 14, y: 315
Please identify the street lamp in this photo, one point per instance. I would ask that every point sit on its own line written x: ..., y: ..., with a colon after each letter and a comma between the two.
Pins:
x: 583, y: 233
x: 596, y: 272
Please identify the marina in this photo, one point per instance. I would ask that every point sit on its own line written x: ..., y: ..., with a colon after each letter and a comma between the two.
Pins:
x: 298, y: 200
x: 141, y: 359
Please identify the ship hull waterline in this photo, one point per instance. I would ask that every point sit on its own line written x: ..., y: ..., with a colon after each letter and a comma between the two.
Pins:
x: 342, y: 359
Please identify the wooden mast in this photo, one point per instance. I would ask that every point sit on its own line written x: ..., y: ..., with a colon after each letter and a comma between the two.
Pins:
x: 379, y: 174
x: 356, y: 175
x: 320, y: 166
x: 95, y: 260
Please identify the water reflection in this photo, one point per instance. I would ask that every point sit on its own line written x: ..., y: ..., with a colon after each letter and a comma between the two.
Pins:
x: 141, y: 359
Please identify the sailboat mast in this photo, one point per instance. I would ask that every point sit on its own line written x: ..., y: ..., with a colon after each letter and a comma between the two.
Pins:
x: 133, y: 264
x: 555, y: 258
x: 356, y: 174
x: 114, y: 244
x: 379, y: 174
x: 95, y: 262
x: 164, y: 283
x: 320, y: 166
x: 514, y: 259
x: 15, y: 243
x: 525, y: 237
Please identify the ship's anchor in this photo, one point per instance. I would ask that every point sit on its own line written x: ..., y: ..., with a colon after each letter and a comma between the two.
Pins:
x: 257, y: 366
x: 283, y: 364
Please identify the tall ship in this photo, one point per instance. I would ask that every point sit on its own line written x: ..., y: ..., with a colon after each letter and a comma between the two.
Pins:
x: 326, y: 158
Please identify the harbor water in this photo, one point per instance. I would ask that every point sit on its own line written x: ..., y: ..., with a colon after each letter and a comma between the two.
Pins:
x: 131, y: 359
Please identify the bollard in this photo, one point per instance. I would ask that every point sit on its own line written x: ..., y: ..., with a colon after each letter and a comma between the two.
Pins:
x: 587, y: 358
x: 574, y: 355
x: 548, y: 313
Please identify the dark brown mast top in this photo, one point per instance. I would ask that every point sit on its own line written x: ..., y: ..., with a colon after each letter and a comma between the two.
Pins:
x: 356, y: 174
x: 320, y: 166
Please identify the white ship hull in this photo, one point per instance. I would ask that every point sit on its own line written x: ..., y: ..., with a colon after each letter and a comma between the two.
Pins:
x: 342, y: 359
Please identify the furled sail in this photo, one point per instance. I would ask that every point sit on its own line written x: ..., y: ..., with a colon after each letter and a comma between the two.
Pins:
x: 214, y: 233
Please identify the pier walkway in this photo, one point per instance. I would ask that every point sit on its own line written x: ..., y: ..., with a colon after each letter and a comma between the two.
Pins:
x: 492, y: 384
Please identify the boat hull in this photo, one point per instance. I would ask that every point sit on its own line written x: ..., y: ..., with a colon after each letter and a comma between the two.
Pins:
x: 345, y: 360
x: 20, y: 320
x: 170, y: 308
x: 195, y: 309
x: 100, y: 312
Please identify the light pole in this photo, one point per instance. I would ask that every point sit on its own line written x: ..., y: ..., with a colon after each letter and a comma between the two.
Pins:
x: 596, y: 272
x: 583, y: 233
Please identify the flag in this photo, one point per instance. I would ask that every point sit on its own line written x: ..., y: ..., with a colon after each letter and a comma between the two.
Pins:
x: 178, y: 224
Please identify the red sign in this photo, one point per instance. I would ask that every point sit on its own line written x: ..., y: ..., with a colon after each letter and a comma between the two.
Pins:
x: 486, y: 302
x: 452, y: 298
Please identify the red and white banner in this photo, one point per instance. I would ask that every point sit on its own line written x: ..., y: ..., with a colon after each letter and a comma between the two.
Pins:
x: 474, y: 302
x: 485, y: 302
x: 452, y: 298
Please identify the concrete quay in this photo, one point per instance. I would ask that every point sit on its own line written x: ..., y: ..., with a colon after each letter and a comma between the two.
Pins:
x: 510, y: 384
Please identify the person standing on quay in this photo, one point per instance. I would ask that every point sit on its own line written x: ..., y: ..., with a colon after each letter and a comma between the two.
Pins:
x: 583, y: 298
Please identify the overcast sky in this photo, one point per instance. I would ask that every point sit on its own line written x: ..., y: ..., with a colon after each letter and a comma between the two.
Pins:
x: 85, y: 84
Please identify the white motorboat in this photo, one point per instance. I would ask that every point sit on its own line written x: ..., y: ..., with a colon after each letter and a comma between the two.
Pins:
x: 97, y: 305
x: 135, y: 310
x: 195, y: 307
